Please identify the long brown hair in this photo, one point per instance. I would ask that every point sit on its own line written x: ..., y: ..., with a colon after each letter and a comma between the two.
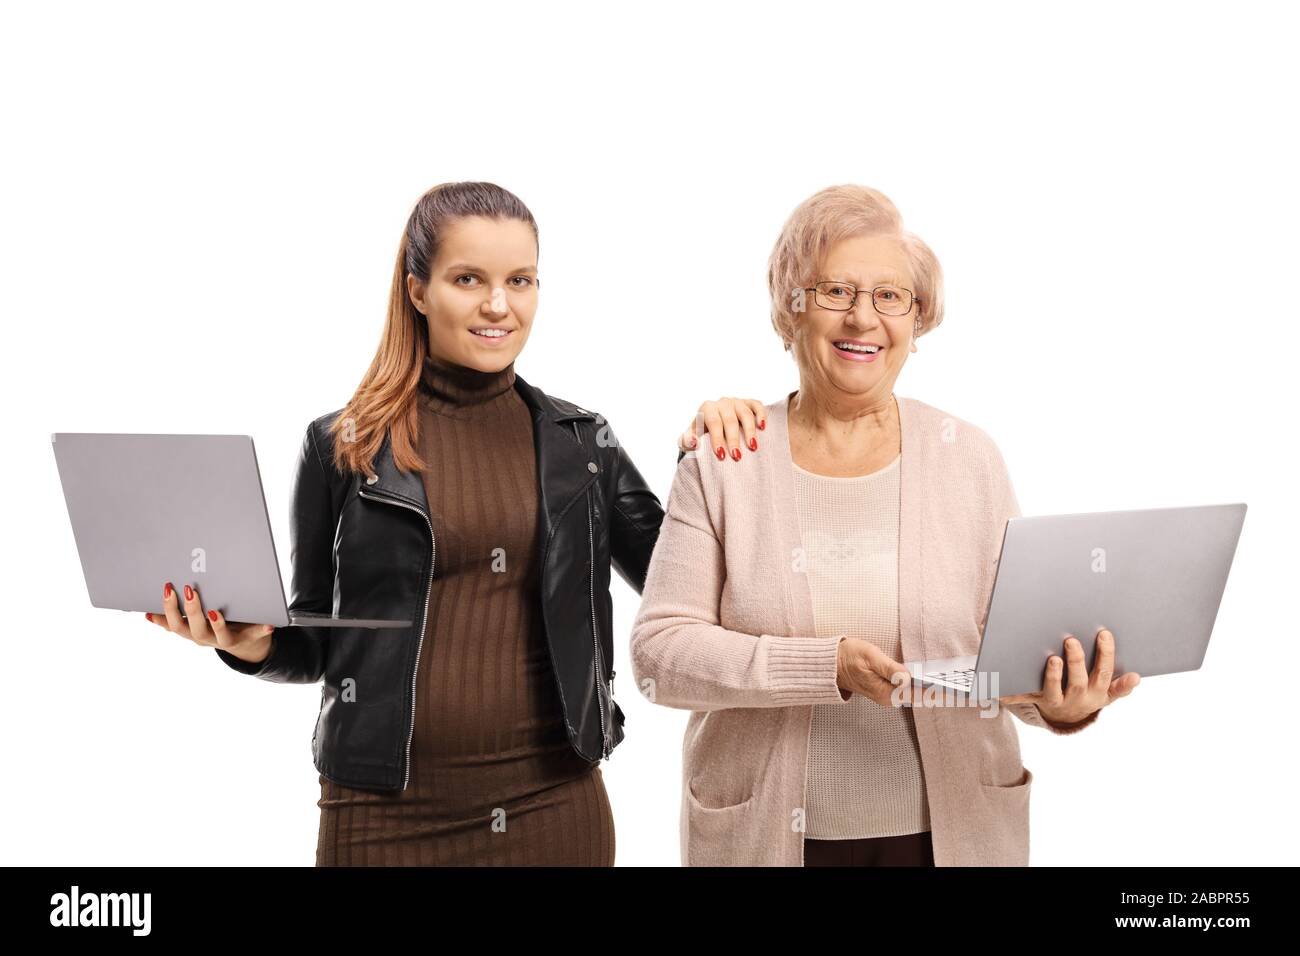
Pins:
x: 385, y: 401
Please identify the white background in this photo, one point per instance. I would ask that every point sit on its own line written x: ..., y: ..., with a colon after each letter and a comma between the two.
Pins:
x: 201, y: 206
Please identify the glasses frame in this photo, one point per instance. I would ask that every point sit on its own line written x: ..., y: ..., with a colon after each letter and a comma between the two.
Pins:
x: 916, y: 299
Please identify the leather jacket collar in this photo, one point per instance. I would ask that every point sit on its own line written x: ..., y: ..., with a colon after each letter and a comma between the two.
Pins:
x: 563, y: 466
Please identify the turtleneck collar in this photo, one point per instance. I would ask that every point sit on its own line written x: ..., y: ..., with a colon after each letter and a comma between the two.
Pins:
x: 445, y: 386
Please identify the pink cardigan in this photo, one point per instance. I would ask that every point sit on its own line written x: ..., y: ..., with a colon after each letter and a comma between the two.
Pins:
x: 726, y: 630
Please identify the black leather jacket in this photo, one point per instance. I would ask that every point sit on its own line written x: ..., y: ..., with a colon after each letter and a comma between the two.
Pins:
x: 363, y: 547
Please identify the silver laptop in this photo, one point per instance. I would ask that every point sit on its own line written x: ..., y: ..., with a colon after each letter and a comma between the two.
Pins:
x: 1153, y: 578
x: 189, y: 509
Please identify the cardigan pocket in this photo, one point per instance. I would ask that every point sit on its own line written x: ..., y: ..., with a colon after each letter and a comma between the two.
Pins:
x: 1009, y: 821
x: 704, y: 806
x: 1021, y: 788
x: 719, y: 836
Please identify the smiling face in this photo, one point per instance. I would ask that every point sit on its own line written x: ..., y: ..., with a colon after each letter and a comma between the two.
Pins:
x: 481, y: 294
x: 864, y: 262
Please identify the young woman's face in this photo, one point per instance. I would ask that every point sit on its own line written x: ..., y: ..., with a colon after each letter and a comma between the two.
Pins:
x: 482, y: 283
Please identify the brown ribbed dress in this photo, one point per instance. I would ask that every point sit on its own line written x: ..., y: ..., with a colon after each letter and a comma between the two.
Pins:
x: 493, y: 779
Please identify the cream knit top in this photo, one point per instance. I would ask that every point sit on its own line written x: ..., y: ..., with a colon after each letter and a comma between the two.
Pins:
x: 864, y: 761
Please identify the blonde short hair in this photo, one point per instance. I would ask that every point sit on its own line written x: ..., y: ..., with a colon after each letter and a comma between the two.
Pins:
x: 827, y: 217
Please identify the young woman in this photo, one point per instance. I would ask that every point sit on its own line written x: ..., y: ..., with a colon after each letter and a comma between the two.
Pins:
x: 451, y: 492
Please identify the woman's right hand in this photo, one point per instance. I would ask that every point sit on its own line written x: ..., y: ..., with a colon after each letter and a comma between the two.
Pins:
x: 729, y: 422
x: 248, y: 642
x: 863, y: 668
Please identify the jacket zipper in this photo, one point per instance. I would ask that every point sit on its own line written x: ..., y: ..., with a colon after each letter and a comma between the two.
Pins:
x: 433, y: 553
x: 595, y: 633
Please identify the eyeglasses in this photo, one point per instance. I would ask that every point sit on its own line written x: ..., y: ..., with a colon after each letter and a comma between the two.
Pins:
x: 841, y: 297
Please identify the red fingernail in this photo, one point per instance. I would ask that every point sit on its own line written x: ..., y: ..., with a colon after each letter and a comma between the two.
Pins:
x: 735, y: 454
x: 694, y: 443
x: 753, y: 444
x: 148, y: 616
x: 721, y: 454
x: 212, y: 615
x: 189, y: 593
x: 167, y: 590
x: 763, y: 423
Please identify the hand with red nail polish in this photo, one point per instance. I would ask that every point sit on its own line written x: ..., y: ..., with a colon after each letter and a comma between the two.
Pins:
x: 249, y: 642
x: 729, y: 422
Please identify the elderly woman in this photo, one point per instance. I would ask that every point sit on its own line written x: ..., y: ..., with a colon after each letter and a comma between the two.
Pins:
x: 786, y: 587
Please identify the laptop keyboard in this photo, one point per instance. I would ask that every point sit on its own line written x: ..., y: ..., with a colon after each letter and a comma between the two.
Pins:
x: 964, y: 679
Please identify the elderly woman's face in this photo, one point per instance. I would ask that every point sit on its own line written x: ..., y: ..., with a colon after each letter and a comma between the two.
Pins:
x: 864, y: 262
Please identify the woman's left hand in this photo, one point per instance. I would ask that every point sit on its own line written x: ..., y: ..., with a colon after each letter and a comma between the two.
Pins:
x: 730, y: 423
x: 1084, y: 694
